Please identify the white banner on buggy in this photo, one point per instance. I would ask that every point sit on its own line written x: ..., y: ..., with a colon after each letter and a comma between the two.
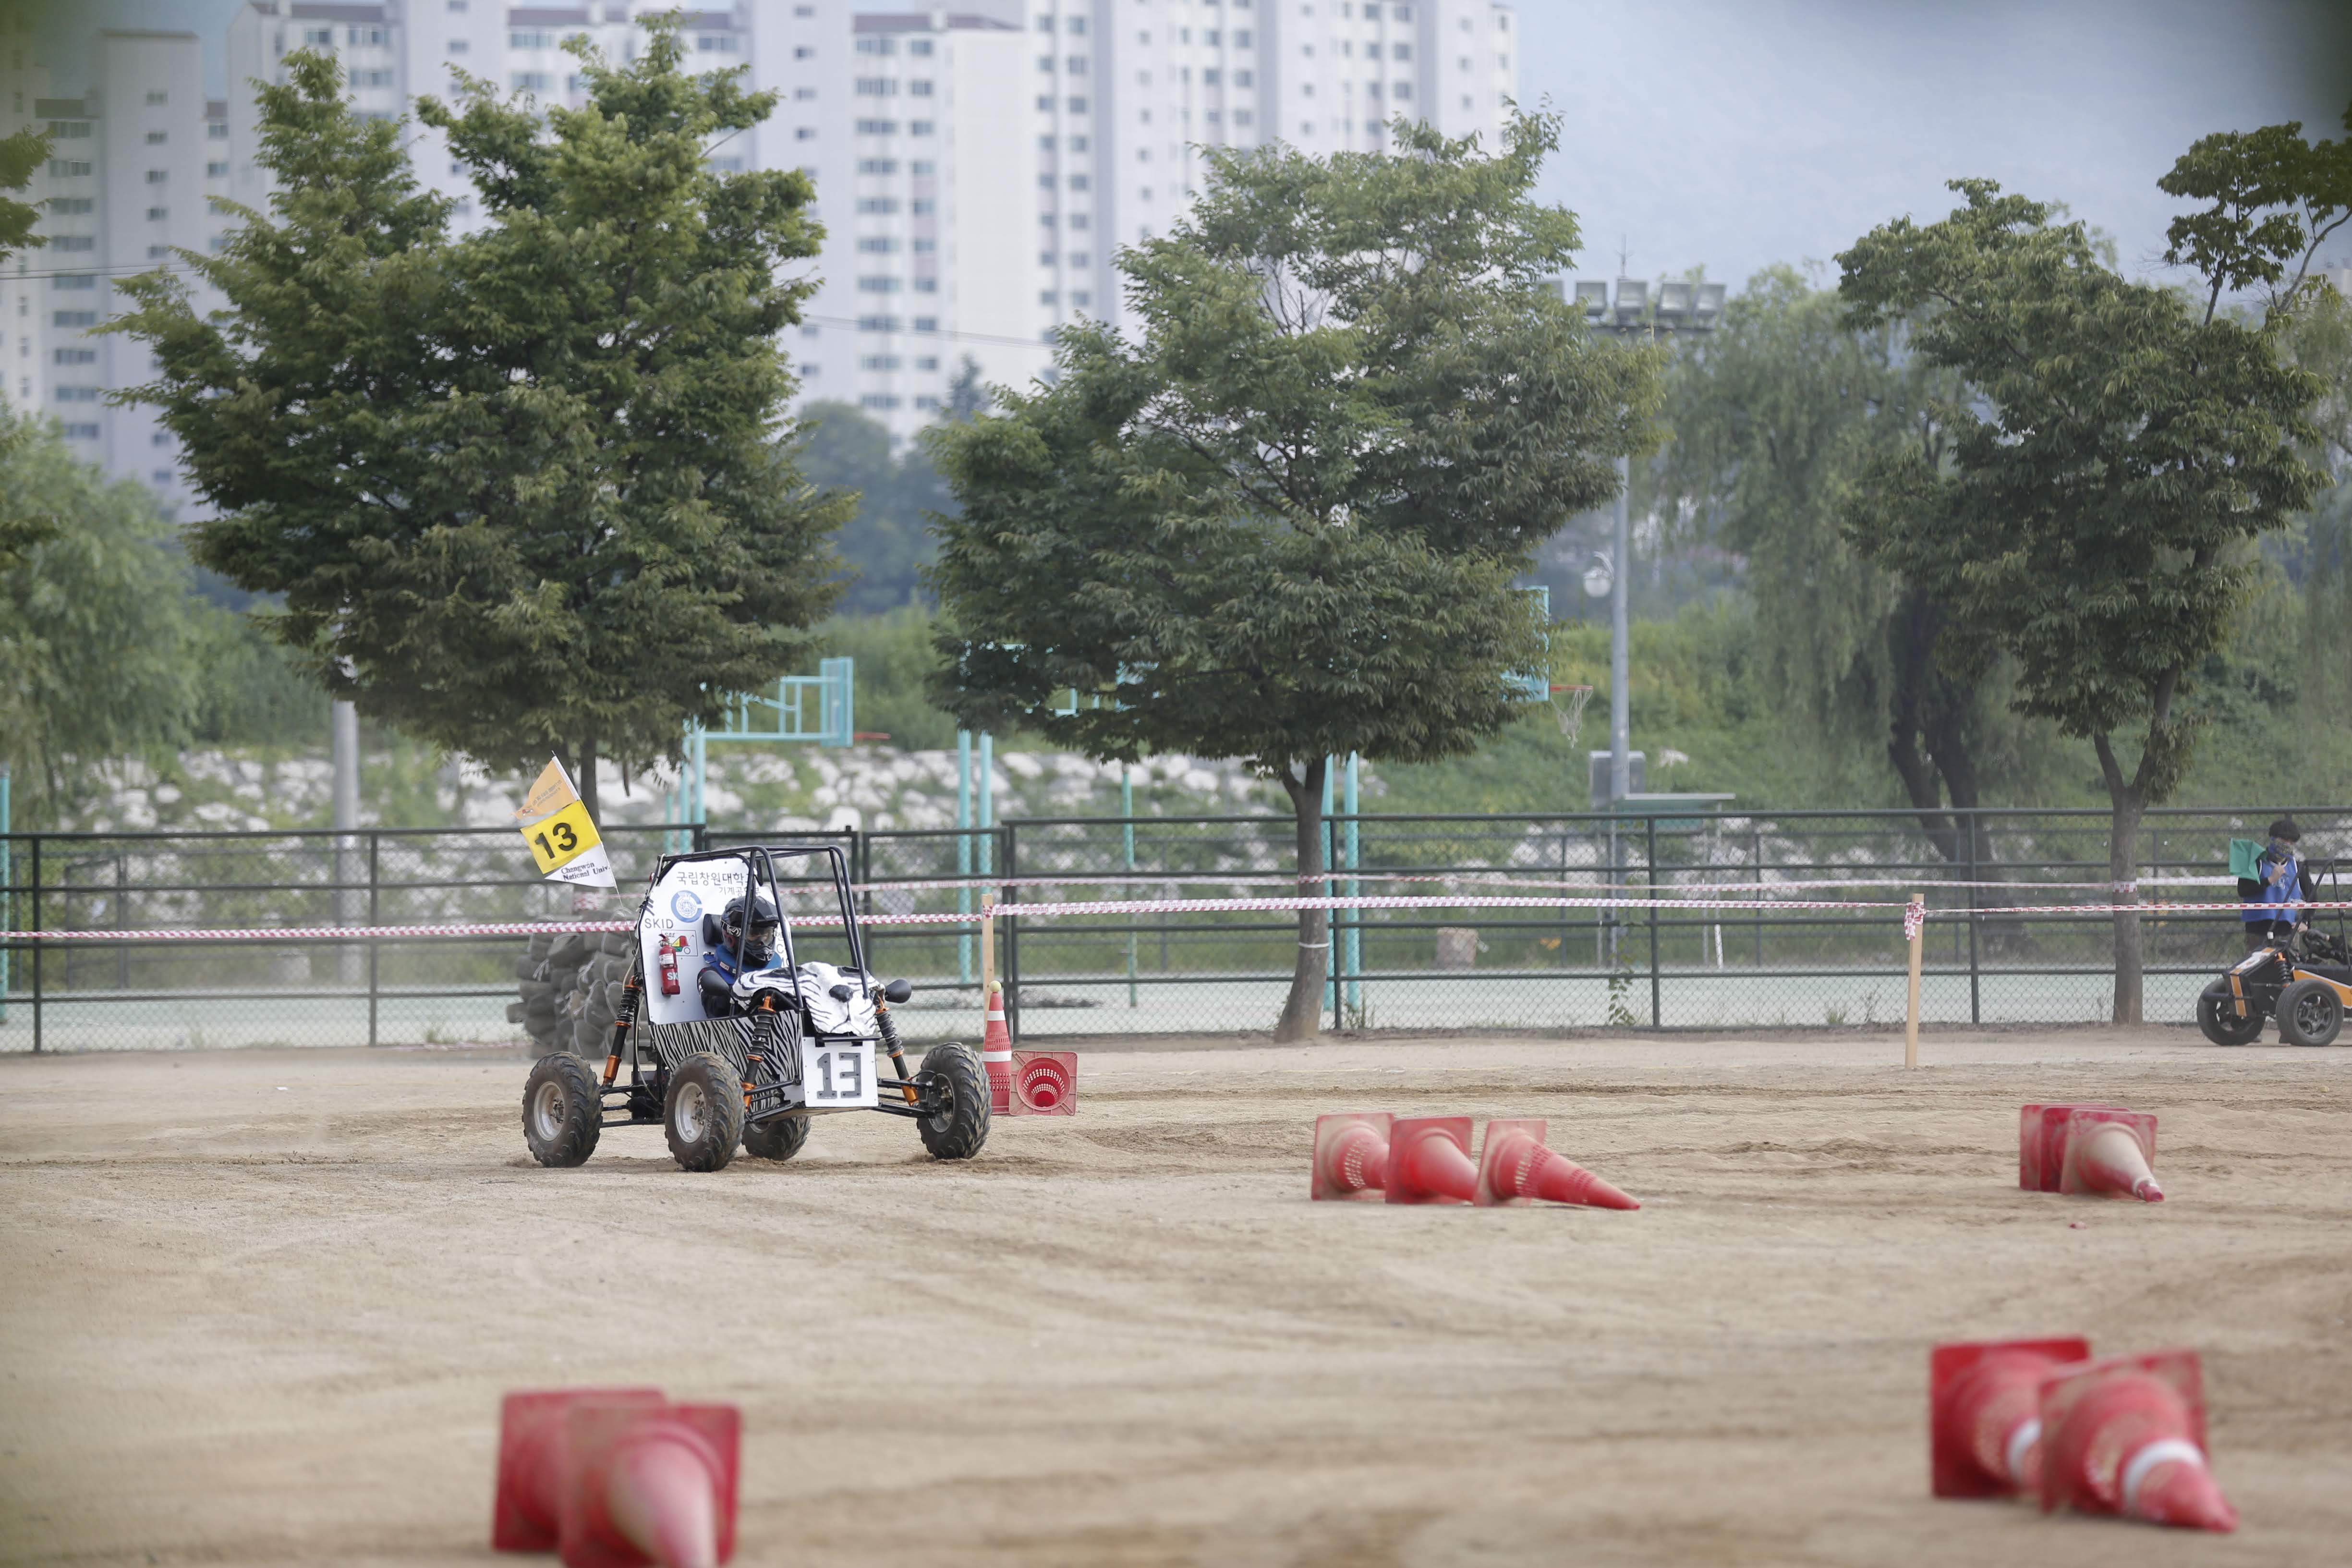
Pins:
x: 670, y: 934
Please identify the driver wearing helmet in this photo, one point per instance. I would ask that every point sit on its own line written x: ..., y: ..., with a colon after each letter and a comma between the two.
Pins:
x: 720, y: 934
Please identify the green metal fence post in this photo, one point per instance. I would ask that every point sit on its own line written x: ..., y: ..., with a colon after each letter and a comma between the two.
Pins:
x: 963, y: 857
x: 1126, y: 889
x: 1975, y: 1004
x: 1650, y: 885
x: 36, y: 929
x: 7, y: 893
x: 375, y: 904
x: 1011, y: 946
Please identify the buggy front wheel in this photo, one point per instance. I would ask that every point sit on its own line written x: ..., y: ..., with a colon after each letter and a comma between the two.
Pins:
x: 703, y: 1116
x: 2309, y: 1014
x: 2217, y: 1015
x: 959, y: 1127
x: 562, y: 1113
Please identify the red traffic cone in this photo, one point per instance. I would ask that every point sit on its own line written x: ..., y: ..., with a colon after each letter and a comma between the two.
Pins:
x: 1516, y: 1167
x: 1352, y: 1155
x: 2126, y: 1436
x: 1429, y: 1160
x: 649, y: 1486
x: 531, y: 1462
x: 2108, y: 1154
x: 996, y: 1053
x: 1045, y: 1083
x: 2041, y: 1143
x: 1984, y: 1414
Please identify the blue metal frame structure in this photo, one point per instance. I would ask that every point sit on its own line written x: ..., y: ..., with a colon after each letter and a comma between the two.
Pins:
x: 811, y: 709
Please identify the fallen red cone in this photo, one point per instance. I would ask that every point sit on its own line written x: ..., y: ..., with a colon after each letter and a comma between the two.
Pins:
x: 1516, y: 1167
x: 996, y: 1053
x: 649, y: 1486
x: 1429, y: 1160
x: 1984, y: 1414
x: 525, y: 1516
x: 1045, y: 1083
x: 2100, y: 1149
x: 2109, y: 1154
x: 2126, y: 1437
x: 1351, y: 1156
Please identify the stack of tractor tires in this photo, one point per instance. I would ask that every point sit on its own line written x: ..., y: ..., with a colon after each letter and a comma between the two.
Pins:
x: 571, y: 983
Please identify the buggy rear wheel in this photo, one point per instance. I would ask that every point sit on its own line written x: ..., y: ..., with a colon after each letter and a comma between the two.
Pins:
x: 703, y: 1117
x: 2217, y: 1015
x: 562, y: 1113
x: 2309, y: 1014
x: 778, y: 1139
x: 956, y: 1131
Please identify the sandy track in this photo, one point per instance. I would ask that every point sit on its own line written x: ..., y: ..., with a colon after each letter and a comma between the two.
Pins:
x: 249, y: 1323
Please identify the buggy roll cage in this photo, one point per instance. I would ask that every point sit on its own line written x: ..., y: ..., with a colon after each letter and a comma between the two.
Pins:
x: 759, y: 860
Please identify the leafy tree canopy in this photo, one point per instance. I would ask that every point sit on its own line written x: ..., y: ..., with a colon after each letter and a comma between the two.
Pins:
x: 529, y: 489
x: 888, y: 541
x: 2116, y: 457
x: 20, y: 155
x: 1286, y: 521
x: 2272, y: 200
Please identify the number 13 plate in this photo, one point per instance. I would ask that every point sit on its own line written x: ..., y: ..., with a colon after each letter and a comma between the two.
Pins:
x: 837, y: 1076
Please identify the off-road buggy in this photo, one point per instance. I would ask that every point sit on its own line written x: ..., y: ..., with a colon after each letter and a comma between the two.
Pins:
x: 2304, y: 982
x: 794, y: 1036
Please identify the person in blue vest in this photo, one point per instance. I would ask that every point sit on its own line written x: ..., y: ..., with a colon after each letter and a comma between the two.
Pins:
x: 2281, y: 878
x: 720, y: 934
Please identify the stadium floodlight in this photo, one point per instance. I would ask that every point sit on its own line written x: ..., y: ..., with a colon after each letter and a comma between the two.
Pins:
x: 1632, y: 299
x: 1674, y: 304
x: 1708, y: 307
x: 1593, y: 298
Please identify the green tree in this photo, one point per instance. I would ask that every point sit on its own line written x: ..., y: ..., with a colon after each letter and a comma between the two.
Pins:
x: 889, y: 541
x: 1286, y: 521
x: 93, y: 625
x: 19, y: 155
x: 529, y: 488
x: 1774, y: 417
x: 2117, y: 459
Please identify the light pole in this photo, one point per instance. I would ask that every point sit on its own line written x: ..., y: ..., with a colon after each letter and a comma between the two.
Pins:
x: 1633, y: 316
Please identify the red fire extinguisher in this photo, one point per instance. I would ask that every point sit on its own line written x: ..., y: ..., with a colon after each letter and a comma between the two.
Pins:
x: 670, y: 948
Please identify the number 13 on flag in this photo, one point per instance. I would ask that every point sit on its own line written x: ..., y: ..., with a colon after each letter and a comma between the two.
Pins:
x: 563, y: 838
x: 558, y: 840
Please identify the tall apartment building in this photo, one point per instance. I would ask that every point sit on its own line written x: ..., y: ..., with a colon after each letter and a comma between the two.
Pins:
x: 133, y: 164
x: 976, y: 170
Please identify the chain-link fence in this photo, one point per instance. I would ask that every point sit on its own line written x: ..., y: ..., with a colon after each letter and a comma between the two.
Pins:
x: 1706, y: 927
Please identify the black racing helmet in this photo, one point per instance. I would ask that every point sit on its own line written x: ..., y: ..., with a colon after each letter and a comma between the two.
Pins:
x: 760, y: 942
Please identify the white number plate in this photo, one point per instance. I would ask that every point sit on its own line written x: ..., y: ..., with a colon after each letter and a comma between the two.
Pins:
x: 838, y: 1076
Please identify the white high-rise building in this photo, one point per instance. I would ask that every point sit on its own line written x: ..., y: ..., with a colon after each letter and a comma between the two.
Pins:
x: 976, y: 170
x: 132, y: 164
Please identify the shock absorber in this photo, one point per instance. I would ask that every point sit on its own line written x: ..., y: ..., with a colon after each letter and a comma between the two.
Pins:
x: 888, y: 1028
x: 624, y: 1017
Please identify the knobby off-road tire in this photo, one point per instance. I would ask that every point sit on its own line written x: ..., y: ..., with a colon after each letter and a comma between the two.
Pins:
x: 2309, y: 1014
x: 778, y: 1139
x: 958, y: 1132
x: 703, y: 1116
x: 563, y: 1114
x: 2217, y: 1015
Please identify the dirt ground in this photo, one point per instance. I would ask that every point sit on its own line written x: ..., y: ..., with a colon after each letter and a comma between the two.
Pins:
x: 259, y: 1307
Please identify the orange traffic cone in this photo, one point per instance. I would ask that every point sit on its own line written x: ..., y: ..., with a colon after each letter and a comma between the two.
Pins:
x: 1516, y: 1167
x: 2107, y: 1155
x: 2101, y: 1149
x: 532, y: 1459
x: 1352, y: 1155
x: 1984, y: 1414
x: 1045, y: 1083
x: 2126, y: 1436
x: 1429, y: 1160
x: 649, y: 1485
x: 996, y: 1053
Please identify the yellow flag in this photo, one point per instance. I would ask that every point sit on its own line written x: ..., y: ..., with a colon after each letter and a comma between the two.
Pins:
x: 563, y: 838
x: 552, y: 791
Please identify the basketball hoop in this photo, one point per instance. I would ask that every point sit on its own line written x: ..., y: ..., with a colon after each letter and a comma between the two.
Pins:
x: 1567, y: 707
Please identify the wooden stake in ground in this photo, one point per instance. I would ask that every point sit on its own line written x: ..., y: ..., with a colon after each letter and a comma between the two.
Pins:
x: 987, y: 946
x: 1915, y: 934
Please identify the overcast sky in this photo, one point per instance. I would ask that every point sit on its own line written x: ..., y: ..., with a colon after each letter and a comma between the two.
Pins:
x: 1728, y: 134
